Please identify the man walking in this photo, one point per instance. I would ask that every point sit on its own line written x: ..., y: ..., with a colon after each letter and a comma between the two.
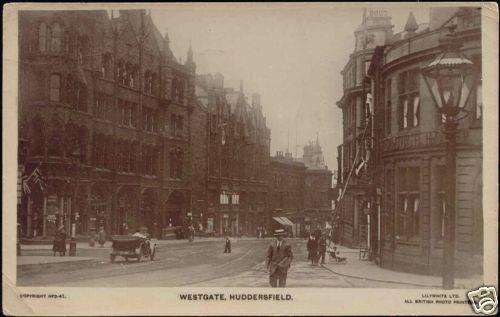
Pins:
x: 279, y: 258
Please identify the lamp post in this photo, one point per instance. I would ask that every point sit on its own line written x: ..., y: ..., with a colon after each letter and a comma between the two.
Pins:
x: 450, y: 78
x: 75, y: 155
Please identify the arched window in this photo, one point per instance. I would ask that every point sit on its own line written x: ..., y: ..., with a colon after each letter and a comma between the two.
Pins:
x: 121, y: 72
x: 148, y: 81
x: 81, y: 93
x: 55, y: 87
x: 154, y: 81
x: 56, y: 40
x: 181, y: 91
x: 174, y: 89
x: 42, y: 37
x: 69, y: 91
x: 106, y: 65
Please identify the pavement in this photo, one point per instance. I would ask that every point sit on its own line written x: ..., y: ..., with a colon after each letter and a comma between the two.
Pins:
x: 36, y: 260
x: 367, y: 270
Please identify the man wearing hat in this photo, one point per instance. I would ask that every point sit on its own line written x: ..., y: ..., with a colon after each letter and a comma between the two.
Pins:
x: 279, y: 257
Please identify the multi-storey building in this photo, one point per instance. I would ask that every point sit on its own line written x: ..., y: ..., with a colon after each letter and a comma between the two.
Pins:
x: 238, y: 145
x: 286, y: 188
x: 375, y: 30
x: 105, y: 108
x: 404, y: 181
x: 318, y: 187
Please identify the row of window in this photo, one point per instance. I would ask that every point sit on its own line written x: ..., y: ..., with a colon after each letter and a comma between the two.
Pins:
x: 227, y: 198
x: 124, y: 156
x: 50, y: 38
x: 408, y: 95
x: 406, y: 209
x: 75, y: 94
x: 71, y: 91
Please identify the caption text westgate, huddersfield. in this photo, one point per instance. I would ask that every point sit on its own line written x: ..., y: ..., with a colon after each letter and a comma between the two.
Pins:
x: 223, y: 297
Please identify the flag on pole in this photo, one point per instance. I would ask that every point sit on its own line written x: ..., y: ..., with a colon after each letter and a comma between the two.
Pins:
x: 35, y: 178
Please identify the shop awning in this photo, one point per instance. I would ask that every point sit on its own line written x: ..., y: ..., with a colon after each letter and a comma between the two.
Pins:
x: 284, y: 221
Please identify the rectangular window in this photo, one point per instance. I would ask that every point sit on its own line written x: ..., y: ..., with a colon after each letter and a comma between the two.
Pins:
x: 55, y: 87
x: 408, y: 219
x: 405, y: 113
x: 224, y: 198
x: 389, y: 211
x: 235, y: 199
x: 173, y: 119
x: 388, y: 106
x: 409, y: 99
x: 416, y: 110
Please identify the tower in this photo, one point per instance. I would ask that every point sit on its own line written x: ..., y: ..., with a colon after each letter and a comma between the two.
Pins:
x: 375, y: 29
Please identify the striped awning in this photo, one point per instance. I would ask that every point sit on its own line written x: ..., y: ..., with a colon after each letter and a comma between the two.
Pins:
x: 284, y: 221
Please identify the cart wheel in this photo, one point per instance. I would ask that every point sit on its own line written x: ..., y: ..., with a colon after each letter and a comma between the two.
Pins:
x: 112, y: 256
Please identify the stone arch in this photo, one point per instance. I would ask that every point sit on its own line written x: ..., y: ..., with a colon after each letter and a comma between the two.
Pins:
x: 175, y: 209
x: 148, y: 209
x: 126, y: 211
x: 99, y: 214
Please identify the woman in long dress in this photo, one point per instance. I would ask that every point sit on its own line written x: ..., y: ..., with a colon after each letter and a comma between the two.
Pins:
x: 60, y: 242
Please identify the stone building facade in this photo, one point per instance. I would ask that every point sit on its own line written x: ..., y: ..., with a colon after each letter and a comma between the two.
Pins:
x: 405, y: 193
x: 105, y: 108
x: 287, y: 189
x: 375, y: 30
x: 238, y: 145
x: 317, y: 188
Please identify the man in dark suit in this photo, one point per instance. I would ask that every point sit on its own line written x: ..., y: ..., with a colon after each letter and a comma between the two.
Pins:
x: 279, y: 257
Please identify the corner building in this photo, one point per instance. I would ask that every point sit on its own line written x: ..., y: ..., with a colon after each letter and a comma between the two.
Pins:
x: 407, y: 171
x: 105, y: 108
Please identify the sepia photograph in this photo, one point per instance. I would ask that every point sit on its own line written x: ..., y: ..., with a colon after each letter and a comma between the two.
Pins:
x: 226, y: 146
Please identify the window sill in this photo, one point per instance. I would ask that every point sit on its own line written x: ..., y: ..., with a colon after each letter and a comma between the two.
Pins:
x: 126, y: 127
x: 101, y: 169
x: 102, y: 120
x: 127, y: 173
x: 411, y: 241
x: 127, y: 87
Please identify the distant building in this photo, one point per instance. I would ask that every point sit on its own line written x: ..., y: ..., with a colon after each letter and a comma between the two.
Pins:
x: 237, y: 159
x: 286, y: 192
x: 318, y: 187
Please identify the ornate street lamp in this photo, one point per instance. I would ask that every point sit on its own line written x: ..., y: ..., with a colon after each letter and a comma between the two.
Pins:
x: 450, y: 78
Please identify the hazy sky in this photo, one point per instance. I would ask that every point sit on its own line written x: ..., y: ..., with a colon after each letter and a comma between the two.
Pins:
x: 291, y: 55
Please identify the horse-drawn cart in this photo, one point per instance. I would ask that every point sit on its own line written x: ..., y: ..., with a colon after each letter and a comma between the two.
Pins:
x: 132, y: 247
